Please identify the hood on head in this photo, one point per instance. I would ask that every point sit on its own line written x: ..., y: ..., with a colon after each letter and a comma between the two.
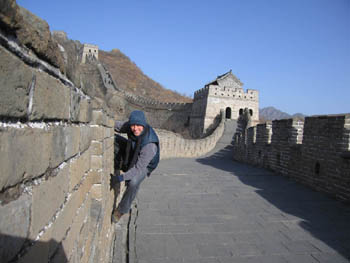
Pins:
x: 137, y: 117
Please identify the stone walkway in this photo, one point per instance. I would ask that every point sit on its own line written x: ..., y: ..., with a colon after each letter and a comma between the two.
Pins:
x: 213, y: 209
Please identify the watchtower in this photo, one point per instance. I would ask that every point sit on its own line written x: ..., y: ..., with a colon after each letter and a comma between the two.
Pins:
x: 89, y: 52
x: 223, y: 93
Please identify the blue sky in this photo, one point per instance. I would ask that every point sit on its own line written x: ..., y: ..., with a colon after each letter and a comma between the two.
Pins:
x: 296, y: 52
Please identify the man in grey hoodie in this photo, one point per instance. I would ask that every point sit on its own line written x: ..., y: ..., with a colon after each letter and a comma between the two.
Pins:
x: 141, y: 157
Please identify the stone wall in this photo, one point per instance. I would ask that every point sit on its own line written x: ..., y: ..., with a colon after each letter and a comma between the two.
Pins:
x: 56, y: 157
x: 174, y: 146
x: 315, y: 153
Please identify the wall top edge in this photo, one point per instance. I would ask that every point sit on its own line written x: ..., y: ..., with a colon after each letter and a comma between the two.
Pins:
x: 90, y: 45
x: 340, y: 115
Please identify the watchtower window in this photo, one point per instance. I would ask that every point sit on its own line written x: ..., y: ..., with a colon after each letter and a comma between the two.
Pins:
x: 251, y: 112
x: 228, y: 113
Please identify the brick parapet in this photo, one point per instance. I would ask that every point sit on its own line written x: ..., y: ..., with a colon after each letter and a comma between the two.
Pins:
x: 238, y: 93
x: 285, y: 133
x: 315, y: 153
x: 56, y: 151
x: 173, y: 145
x: 201, y: 93
x: 264, y: 133
x: 153, y: 104
x: 326, y: 139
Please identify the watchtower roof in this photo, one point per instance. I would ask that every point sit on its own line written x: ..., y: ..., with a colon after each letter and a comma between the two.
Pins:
x: 223, y: 76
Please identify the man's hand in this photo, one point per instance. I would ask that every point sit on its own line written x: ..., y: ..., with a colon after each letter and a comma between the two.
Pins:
x: 116, y: 179
x: 120, y: 177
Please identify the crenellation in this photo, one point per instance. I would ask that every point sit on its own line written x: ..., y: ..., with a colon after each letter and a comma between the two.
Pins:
x: 305, y: 151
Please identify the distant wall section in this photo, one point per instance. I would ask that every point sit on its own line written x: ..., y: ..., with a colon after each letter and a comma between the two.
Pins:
x: 174, y: 146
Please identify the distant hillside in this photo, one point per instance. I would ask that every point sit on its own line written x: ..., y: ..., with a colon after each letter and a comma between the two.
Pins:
x: 271, y: 113
x: 130, y: 78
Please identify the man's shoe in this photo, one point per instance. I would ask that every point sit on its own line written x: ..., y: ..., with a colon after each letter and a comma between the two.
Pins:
x: 116, y: 215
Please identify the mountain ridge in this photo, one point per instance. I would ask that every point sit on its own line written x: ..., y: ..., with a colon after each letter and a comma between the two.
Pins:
x: 270, y: 113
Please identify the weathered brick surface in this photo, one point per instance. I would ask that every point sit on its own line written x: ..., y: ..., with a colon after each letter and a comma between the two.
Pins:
x: 110, y: 122
x: 96, y: 162
x: 39, y: 252
x: 65, y: 219
x: 75, y: 99
x: 85, y: 138
x: 58, y: 148
x: 47, y: 199
x: 14, y: 226
x: 96, y: 191
x: 50, y: 98
x: 73, y: 235
x: 97, y: 133
x: 96, y: 148
x: 85, y: 112
x: 78, y: 168
x: 95, y: 176
x: 50, y: 153
x: 87, y: 247
x: 15, y: 85
x: 25, y: 153
x: 98, y: 117
x: 72, y: 135
x: 84, y: 231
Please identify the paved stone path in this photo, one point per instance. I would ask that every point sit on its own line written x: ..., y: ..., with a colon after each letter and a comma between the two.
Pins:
x: 213, y: 209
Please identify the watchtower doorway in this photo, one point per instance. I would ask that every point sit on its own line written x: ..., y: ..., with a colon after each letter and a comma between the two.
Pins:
x: 228, y: 113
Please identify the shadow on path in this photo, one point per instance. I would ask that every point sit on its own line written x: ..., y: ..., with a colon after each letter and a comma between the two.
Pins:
x: 325, y: 219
